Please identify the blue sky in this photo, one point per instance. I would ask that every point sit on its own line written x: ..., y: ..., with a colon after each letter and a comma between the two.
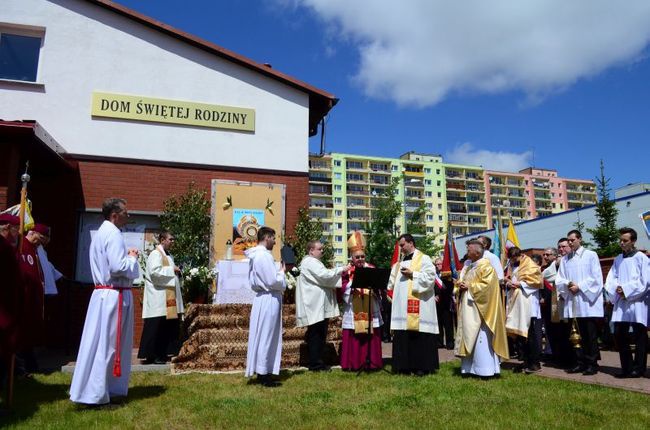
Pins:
x: 545, y: 82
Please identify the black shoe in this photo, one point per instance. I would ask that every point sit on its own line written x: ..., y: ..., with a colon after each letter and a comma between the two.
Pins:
x: 576, y: 369
x: 591, y: 370
x: 268, y: 381
x: 159, y: 361
x: 636, y: 374
x: 321, y: 368
x: 519, y: 368
x: 419, y: 373
x: 622, y: 375
x: 533, y: 369
x: 449, y: 347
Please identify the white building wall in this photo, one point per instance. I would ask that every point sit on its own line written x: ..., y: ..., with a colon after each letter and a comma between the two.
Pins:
x: 545, y: 232
x: 87, y: 48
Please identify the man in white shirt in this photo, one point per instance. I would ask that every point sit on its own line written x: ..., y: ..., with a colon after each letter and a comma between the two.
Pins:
x: 265, y: 329
x: 103, y: 364
x: 579, y: 281
x: 316, y: 301
x: 627, y: 285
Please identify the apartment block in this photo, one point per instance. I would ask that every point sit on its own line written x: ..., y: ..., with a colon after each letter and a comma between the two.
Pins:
x: 342, y: 188
x: 466, y: 199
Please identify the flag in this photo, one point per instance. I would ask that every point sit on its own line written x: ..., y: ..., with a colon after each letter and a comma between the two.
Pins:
x: 15, y: 211
x: 393, y: 260
x: 450, y: 261
x: 496, y: 242
x: 645, y: 218
x: 511, y: 238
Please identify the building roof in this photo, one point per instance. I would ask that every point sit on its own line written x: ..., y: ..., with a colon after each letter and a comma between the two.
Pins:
x: 320, y: 101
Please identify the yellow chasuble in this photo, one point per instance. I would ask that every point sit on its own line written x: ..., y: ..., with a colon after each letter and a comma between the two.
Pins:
x: 170, y: 293
x: 360, y: 298
x: 486, y: 308
x: 413, y: 299
x: 518, y: 318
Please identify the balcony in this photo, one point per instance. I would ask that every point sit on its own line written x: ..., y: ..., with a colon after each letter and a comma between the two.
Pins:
x: 318, y: 178
x: 455, y: 186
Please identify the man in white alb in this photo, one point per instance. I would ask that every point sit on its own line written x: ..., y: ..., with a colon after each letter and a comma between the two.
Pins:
x: 627, y: 285
x: 265, y: 330
x: 316, y: 301
x: 104, y: 361
x: 579, y: 281
x: 493, y: 259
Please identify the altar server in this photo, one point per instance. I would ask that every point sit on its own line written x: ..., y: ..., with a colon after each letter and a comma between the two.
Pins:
x: 627, y: 285
x: 265, y: 331
x: 579, y: 281
x: 414, y: 319
x: 104, y: 361
x: 481, y: 334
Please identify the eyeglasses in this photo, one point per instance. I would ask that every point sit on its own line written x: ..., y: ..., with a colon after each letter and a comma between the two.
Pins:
x: 359, y: 257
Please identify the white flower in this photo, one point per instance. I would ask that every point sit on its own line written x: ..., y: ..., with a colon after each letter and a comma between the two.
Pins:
x: 194, y: 271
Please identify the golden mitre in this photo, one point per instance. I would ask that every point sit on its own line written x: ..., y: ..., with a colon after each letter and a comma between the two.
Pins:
x: 356, y: 241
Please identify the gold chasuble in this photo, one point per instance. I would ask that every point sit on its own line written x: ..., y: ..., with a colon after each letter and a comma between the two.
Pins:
x: 518, y: 319
x: 413, y: 300
x: 172, y: 309
x: 360, y: 298
x: 485, y: 307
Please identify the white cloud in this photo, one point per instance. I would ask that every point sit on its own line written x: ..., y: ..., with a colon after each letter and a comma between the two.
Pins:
x: 419, y: 52
x: 465, y: 153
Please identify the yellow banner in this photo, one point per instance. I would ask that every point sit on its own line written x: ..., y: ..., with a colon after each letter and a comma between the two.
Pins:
x: 172, y: 111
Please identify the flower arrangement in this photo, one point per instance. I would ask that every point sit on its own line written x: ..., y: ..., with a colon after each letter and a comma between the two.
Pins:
x: 197, y: 283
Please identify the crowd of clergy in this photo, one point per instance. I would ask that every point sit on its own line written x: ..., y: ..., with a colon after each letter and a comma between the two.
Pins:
x: 549, y: 309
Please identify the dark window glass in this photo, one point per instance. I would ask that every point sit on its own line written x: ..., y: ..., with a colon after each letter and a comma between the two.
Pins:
x: 19, y: 57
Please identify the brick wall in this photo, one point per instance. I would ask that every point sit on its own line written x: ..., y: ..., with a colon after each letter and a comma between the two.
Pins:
x: 145, y: 187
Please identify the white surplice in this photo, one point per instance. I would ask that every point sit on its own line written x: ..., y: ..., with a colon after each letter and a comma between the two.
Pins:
x: 265, y: 330
x: 315, y: 292
x: 159, y: 278
x: 50, y: 274
x: 423, y: 285
x: 632, y: 274
x: 93, y: 381
x: 581, y: 267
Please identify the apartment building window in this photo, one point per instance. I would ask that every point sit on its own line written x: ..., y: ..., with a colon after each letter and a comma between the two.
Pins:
x: 429, y: 217
x: 429, y: 205
x: 354, y: 177
x: 427, y: 182
x: 439, y: 217
x: 440, y: 230
x: 338, y: 200
x: 354, y: 165
x: 394, y: 168
x: 338, y: 238
x: 439, y: 195
x: 428, y: 193
x: 20, y: 49
x: 337, y: 163
x: 439, y: 206
x: 427, y: 170
x: 338, y: 251
x: 429, y: 229
x: 338, y: 188
x: 438, y: 183
x: 339, y: 225
x: 337, y: 175
x: 338, y: 212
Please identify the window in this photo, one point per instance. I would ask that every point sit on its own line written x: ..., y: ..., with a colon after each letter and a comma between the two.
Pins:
x: 439, y: 195
x: 338, y: 188
x: 439, y: 206
x: 429, y: 205
x: 440, y: 218
x: 440, y: 230
x: 339, y: 225
x: 338, y: 200
x: 437, y: 171
x: 428, y: 193
x: 438, y: 183
x: 394, y: 168
x: 338, y: 212
x: 337, y: 175
x: 338, y: 238
x: 427, y: 182
x: 427, y: 170
x: 19, y: 53
x: 429, y: 217
x: 337, y: 162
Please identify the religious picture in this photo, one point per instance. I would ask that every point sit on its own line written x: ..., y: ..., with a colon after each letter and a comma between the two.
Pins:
x: 245, y: 224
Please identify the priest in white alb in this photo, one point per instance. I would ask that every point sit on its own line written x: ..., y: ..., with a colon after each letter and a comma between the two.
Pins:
x: 162, y: 305
x: 628, y: 283
x: 265, y: 330
x: 481, y: 340
x: 316, y: 302
x: 414, y: 319
x: 103, y: 364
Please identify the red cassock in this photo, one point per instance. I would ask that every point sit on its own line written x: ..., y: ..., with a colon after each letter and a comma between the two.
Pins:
x: 10, y: 299
x: 32, y: 315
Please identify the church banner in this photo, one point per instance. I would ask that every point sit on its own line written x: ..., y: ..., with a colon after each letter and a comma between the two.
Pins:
x: 139, y: 108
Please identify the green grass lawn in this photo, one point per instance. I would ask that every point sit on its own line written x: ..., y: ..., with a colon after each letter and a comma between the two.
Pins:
x: 336, y: 400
